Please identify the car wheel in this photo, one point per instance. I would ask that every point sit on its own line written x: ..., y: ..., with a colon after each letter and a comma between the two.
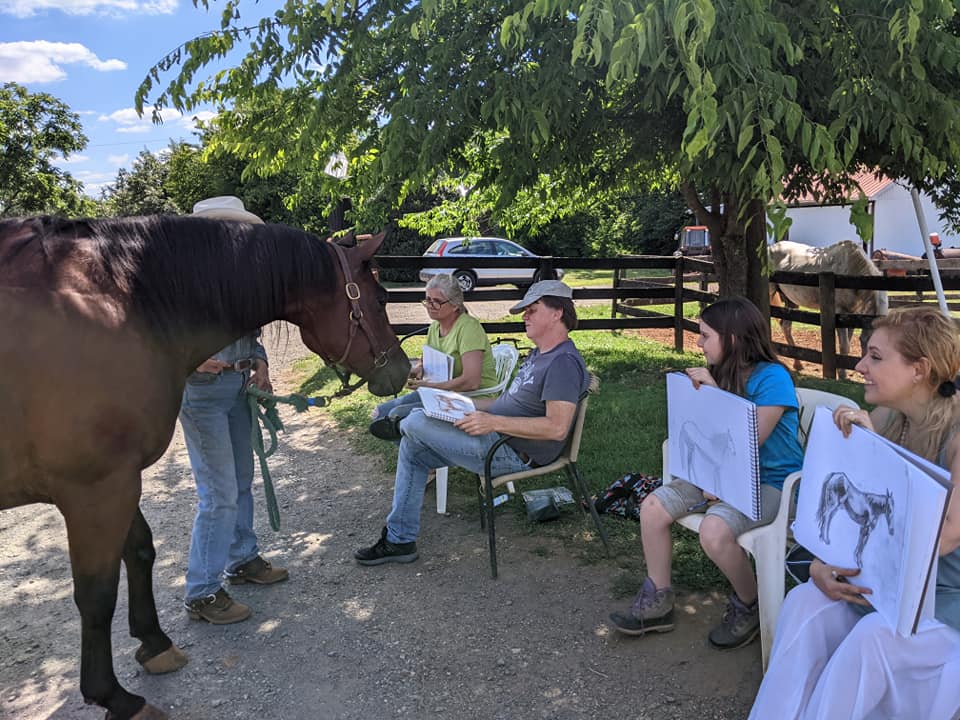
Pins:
x: 466, y: 279
x: 536, y: 277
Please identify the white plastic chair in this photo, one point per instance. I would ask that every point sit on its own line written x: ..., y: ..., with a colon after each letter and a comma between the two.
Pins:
x: 505, y: 356
x: 768, y: 543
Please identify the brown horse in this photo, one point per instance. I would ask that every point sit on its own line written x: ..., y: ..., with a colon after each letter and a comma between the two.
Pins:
x: 101, y: 322
x: 843, y: 258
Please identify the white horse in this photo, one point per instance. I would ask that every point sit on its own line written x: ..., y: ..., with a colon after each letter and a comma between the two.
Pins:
x: 844, y: 258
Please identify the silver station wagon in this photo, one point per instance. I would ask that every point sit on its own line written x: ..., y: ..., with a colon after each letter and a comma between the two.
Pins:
x: 460, y: 250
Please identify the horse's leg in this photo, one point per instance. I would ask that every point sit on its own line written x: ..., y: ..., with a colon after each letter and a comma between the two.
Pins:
x: 156, y: 653
x: 98, y: 520
x: 843, y: 336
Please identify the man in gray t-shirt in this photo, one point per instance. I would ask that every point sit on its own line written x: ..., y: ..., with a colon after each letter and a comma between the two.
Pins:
x: 536, y: 411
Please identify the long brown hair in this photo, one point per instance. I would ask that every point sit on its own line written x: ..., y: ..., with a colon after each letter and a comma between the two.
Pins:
x: 925, y: 333
x: 744, y: 341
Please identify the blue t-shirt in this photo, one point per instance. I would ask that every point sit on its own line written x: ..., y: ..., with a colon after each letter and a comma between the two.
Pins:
x: 559, y: 374
x: 780, y: 454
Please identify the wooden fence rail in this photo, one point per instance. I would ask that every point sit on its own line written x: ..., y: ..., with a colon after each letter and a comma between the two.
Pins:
x: 673, y: 290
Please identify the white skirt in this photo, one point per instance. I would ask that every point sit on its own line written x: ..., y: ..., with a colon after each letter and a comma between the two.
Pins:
x: 829, y: 662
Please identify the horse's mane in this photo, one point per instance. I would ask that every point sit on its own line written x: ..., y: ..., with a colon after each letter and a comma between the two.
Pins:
x: 846, y: 258
x: 176, y: 271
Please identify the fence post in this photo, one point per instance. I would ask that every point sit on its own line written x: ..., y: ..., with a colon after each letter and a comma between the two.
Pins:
x: 828, y: 324
x: 616, y: 284
x: 546, y: 269
x: 678, y: 306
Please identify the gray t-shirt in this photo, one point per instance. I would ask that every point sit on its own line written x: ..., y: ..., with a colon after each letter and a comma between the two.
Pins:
x: 559, y: 374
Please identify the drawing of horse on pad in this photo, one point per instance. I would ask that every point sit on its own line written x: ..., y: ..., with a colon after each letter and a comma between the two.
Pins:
x: 704, y: 454
x: 864, y: 508
x: 102, y: 322
x: 843, y: 258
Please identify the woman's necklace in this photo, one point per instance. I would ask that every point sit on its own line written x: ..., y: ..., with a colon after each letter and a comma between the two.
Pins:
x: 904, y: 431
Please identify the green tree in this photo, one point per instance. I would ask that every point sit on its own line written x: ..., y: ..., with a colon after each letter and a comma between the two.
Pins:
x: 743, y: 104
x: 36, y: 129
x: 142, y: 189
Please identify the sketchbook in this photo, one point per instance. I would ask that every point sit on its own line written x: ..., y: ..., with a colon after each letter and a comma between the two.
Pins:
x: 445, y: 404
x: 437, y: 366
x: 868, y: 503
x: 712, y: 442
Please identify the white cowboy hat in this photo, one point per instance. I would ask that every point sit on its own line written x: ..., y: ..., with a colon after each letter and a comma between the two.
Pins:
x: 225, y: 207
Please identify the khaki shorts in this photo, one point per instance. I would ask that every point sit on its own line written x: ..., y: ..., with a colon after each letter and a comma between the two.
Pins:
x: 678, y: 496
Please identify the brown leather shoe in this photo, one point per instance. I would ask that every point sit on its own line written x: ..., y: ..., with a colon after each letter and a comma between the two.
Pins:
x: 218, y: 609
x: 257, y: 571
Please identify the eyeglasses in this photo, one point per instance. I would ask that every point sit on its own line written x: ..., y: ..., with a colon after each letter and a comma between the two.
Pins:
x: 435, y: 304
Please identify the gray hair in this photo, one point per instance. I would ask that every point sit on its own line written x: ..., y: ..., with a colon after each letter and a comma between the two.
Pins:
x: 450, y: 288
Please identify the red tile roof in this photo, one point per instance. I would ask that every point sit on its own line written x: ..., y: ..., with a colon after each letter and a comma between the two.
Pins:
x: 866, y: 179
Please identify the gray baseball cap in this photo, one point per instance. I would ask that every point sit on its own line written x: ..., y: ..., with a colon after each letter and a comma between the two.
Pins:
x: 554, y: 288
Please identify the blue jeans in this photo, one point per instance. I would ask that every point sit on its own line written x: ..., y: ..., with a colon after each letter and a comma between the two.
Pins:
x: 399, y: 406
x: 216, y: 426
x: 428, y: 444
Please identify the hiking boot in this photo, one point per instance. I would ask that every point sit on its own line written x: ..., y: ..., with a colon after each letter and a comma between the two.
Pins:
x: 739, y: 625
x: 386, y: 428
x: 651, y: 611
x: 385, y: 551
x: 218, y: 609
x: 257, y: 571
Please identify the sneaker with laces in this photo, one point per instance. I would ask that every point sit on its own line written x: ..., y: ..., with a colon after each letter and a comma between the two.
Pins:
x: 257, y: 571
x: 651, y: 611
x: 739, y: 625
x: 384, y: 551
x: 217, y: 609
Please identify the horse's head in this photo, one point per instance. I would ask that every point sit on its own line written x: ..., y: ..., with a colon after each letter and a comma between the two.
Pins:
x: 349, y: 328
x: 888, y: 510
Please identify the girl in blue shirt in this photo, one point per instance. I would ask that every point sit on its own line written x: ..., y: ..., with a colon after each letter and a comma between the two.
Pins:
x: 735, y: 339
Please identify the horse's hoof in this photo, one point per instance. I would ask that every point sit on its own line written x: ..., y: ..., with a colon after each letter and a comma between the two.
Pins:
x: 149, y: 712
x: 170, y: 660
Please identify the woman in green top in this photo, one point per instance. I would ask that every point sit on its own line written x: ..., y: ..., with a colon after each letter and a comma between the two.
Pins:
x: 452, y: 331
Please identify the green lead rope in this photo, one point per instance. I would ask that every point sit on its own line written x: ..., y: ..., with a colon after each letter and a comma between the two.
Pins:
x: 263, y: 409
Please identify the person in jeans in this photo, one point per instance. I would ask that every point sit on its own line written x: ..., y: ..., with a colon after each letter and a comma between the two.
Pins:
x: 216, y: 425
x: 537, y: 411
x: 452, y: 331
x: 735, y: 339
x: 833, y: 657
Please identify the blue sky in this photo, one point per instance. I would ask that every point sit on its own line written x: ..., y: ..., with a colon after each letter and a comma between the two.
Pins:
x: 92, y: 54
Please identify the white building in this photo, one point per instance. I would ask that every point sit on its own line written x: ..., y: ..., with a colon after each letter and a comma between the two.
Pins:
x: 894, y: 220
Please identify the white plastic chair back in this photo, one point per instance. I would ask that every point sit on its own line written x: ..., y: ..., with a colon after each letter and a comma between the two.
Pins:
x: 505, y: 356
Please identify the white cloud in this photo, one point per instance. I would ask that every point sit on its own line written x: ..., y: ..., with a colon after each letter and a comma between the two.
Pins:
x: 40, y: 61
x: 128, y: 121
x: 118, y: 160
x: 28, y: 8
x: 73, y: 159
x: 191, y: 121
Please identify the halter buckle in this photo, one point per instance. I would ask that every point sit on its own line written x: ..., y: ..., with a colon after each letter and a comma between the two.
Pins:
x: 352, y: 290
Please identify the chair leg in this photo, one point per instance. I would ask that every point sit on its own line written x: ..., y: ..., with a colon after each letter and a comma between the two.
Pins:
x: 490, y: 529
x: 771, y: 585
x: 483, y: 510
x: 441, y: 485
x: 577, y: 479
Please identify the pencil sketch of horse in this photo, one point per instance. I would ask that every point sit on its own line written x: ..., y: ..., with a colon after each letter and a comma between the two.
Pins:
x: 864, y: 508
x: 843, y: 258
x: 707, y: 450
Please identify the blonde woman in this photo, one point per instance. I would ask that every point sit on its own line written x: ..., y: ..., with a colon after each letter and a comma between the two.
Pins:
x: 832, y: 656
x: 452, y: 331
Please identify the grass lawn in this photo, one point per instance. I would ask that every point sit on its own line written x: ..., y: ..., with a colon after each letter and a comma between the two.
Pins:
x: 625, y: 426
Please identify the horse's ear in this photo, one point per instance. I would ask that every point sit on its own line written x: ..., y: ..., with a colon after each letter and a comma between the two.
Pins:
x: 368, y: 248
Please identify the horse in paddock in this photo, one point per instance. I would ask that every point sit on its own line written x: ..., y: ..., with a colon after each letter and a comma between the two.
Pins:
x: 864, y: 508
x: 101, y: 322
x: 843, y: 258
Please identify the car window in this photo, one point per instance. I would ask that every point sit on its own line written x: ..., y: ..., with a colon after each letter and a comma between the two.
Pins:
x: 460, y: 249
x: 509, y: 250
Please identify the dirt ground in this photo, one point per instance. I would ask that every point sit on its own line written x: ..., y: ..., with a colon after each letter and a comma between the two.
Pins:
x: 436, y: 638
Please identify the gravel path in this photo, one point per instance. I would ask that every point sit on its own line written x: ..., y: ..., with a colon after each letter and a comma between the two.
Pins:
x: 435, y: 639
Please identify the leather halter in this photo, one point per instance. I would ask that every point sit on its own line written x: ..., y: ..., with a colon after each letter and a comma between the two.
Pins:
x: 356, y: 318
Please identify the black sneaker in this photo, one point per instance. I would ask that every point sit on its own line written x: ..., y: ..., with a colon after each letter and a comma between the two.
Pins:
x: 386, y: 428
x: 385, y: 551
x: 651, y: 611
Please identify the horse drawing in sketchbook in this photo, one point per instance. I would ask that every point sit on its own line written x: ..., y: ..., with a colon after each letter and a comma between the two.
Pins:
x: 843, y: 258
x: 864, y: 508
x: 704, y: 454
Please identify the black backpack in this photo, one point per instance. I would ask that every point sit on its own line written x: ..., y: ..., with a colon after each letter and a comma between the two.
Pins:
x: 625, y: 494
